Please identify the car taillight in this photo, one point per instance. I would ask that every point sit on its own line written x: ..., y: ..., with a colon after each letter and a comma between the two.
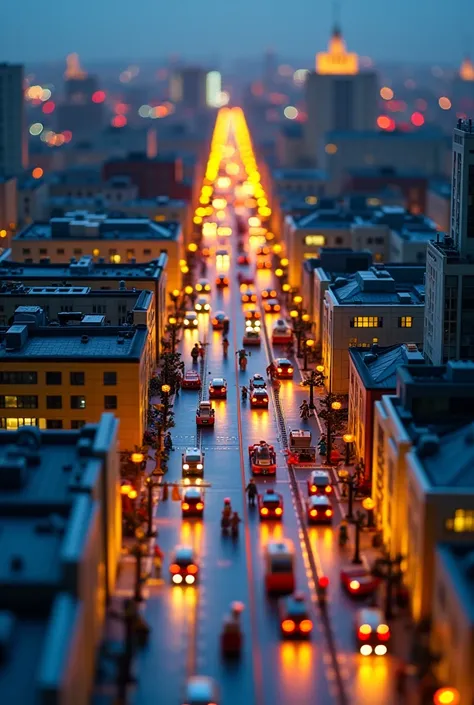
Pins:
x: 365, y: 650
x: 214, y: 321
x: 185, y: 466
x: 186, y: 322
x: 177, y: 578
x: 185, y: 506
x: 328, y: 489
x: 195, y: 322
x: 190, y: 579
x: 200, y: 505
x: 254, y: 298
x: 354, y: 585
x: 290, y: 369
x: 305, y: 626
x: 313, y: 488
x: 383, y: 632
x: 288, y: 626
x: 279, y: 369
x: 277, y: 307
x: 264, y: 511
x: 174, y: 568
x: 222, y: 389
x: 314, y: 513
x: 365, y: 630
x: 328, y: 512
x: 192, y: 569
x: 245, y: 299
x: 273, y: 294
x: 278, y: 511
x: 265, y: 398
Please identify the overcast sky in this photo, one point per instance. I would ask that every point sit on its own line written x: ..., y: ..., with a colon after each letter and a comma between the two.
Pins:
x: 415, y: 30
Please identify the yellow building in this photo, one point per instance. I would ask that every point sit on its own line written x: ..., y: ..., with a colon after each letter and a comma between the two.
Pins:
x: 65, y: 377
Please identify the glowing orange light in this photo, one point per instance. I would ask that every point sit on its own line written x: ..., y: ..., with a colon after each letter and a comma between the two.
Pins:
x: 288, y: 626
x: 98, y: 97
x: 306, y: 625
x: 37, y: 172
x: 444, y: 103
x: 383, y: 121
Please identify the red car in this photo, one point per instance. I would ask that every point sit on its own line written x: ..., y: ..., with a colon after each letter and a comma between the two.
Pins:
x: 191, y: 380
x: 246, y: 277
x: 259, y: 399
x: 358, y: 581
x: 262, y: 459
x: 243, y: 260
x: 271, y: 306
x: 295, y: 619
x: 269, y: 294
x: 270, y: 505
x: 222, y: 281
x: 264, y: 264
x: 319, y: 482
x: 284, y: 368
x: 319, y: 510
x: 218, y: 388
x: 192, y: 504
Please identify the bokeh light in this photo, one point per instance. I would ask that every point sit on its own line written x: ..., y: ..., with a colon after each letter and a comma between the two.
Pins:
x: 330, y: 148
x: 37, y: 172
x: 386, y: 93
x: 119, y: 121
x: 98, y: 97
x: 417, y: 119
x: 290, y: 112
x: 49, y: 107
x: 36, y: 128
x: 444, y: 103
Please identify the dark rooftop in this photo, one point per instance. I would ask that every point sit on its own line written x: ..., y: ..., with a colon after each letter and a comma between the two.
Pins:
x: 378, y: 286
x: 448, y: 460
x: 85, y: 269
x: 424, y: 135
x: 83, y: 226
x: 378, y: 366
x: 299, y: 174
x: 458, y: 562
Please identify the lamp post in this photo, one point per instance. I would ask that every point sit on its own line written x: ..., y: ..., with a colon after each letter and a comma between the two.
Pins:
x: 389, y: 569
x: 298, y: 300
x: 369, y: 506
x: 165, y: 391
x: 174, y: 296
x: 351, y: 482
x: 335, y: 406
x: 286, y: 288
x: 138, y: 551
x: 172, y: 327
x: 348, y: 439
x: 358, y: 524
x: 314, y: 379
x: 150, y: 485
x: 447, y: 696
x: 137, y: 459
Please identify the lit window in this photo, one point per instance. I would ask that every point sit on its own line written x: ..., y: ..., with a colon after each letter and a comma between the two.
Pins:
x: 462, y: 522
x: 315, y: 240
x: 160, y: 218
x: 405, y: 322
x: 352, y: 342
x: 96, y: 252
x: 367, y: 322
x: 375, y: 341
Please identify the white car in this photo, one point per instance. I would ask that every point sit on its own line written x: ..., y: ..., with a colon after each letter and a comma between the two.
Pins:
x: 201, y: 690
x: 202, y: 305
x: 190, y: 319
x: 192, y: 462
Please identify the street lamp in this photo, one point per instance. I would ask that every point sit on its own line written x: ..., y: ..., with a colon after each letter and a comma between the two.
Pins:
x: 138, y: 551
x: 308, y: 344
x: 172, y: 325
x: 137, y: 459
x: 348, y: 439
x: 298, y: 300
x: 279, y: 272
x: 369, y: 506
x: 174, y: 296
x: 165, y: 390
x: 320, y: 368
x: 447, y: 696
x: 335, y: 406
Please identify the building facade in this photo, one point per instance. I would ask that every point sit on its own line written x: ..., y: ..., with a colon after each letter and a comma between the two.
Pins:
x: 13, y: 135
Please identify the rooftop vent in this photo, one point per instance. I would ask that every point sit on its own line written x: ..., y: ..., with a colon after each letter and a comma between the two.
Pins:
x: 84, y: 339
x: 122, y: 285
x: 13, y: 472
x: 84, y: 446
x: 15, y: 337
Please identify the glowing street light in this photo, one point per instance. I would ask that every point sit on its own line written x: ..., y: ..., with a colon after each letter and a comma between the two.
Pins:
x: 447, y: 696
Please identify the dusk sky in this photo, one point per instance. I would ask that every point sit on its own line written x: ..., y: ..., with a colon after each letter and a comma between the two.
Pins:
x: 420, y: 30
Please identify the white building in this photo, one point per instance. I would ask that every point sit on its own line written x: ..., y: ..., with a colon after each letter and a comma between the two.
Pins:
x: 338, y: 95
x: 449, y: 313
x: 372, y: 308
x: 13, y: 137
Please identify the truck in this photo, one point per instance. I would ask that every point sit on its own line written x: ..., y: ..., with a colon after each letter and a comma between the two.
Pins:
x: 301, y: 451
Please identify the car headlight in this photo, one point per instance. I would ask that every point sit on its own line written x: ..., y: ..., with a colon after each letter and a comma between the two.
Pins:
x: 195, y: 322
x: 198, y: 307
x: 290, y: 369
x: 207, y: 307
x: 199, y: 466
x: 186, y: 322
x: 185, y: 466
x: 177, y: 579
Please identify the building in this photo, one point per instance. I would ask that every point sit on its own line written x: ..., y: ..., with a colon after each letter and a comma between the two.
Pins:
x: 85, y: 182
x: 61, y: 530
x: 188, y: 87
x: 373, y: 374
x: 290, y: 147
x: 338, y: 95
x: 117, y: 240
x: 449, y: 313
x: 69, y: 305
x: 13, y: 135
x: 66, y: 376
x: 95, y: 276
x: 453, y: 616
x: 439, y: 507
x: 429, y: 399
x: 375, y: 307
x: 462, y: 89
x: 31, y: 196
x: 82, y: 110
x: 153, y: 177
x: 438, y: 203
x: 412, y: 185
x: 8, y: 211
x: 342, y: 151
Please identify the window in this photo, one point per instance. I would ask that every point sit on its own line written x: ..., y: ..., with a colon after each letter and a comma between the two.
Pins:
x: 352, y: 342
x: 54, y: 378
x: 462, y: 522
x: 375, y: 341
x: 130, y: 254
x: 110, y: 379
x: 77, y: 424
x: 110, y: 402
x: 26, y: 251
x: 77, y: 251
x: 339, y: 240
x: 43, y: 251
x: 77, y: 378
x: 147, y: 252
x: 315, y: 240
x: 26, y: 401
x: 78, y: 402
x: 54, y: 402
x: 60, y: 251
x: 405, y: 322
x: 54, y: 423
x: 366, y: 322
x: 18, y: 377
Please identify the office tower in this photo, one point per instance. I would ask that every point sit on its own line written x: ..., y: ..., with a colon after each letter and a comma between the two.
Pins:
x: 82, y: 111
x: 13, y: 139
x: 269, y: 69
x: 189, y: 87
x: 339, y: 96
x: 449, y: 285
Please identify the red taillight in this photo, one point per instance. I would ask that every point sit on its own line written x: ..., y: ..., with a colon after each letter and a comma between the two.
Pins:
x: 383, y: 632
x: 214, y: 321
x: 364, y: 632
x: 288, y: 626
x: 185, y: 506
x: 278, y: 511
x: 277, y: 307
x: 193, y: 569
x: 328, y: 489
x: 199, y: 505
x: 305, y: 626
x: 174, y: 568
x: 254, y: 298
x: 313, y: 513
x: 313, y: 488
x: 354, y: 585
x: 323, y: 582
x: 264, y: 511
x: 329, y: 512
x: 222, y: 389
x: 245, y: 299
x: 265, y: 399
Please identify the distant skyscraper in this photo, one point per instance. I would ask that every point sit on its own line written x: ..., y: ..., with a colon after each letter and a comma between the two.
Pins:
x: 338, y: 95
x: 189, y: 87
x: 13, y: 138
x: 269, y: 69
x: 82, y: 111
x: 449, y: 285
x: 463, y: 89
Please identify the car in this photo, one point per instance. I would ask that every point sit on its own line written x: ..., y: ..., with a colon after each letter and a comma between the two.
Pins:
x: 222, y: 281
x: 271, y: 306
x: 251, y: 336
x: 358, y: 581
x: 222, y: 252
x: 192, y: 462
x: 371, y: 632
x: 203, y: 285
x: 205, y: 414
x: 202, y: 305
x: 319, y: 509
x: 281, y: 333
x: 192, y: 503
x: 264, y: 263
x: 218, y: 388
x: 262, y: 458
x: 295, y: 619
x: 253, y: 323
x: 201, y: 690
x: 190, y: 319
x: 219, y: 320
x: 248, y: 295
x: 259, y: 399
x: 257, y: 382
x: 284, y: 368
x: 268, y: 293
x: 270, y: 505
x: 319, y: 482
x: 206, y: 252
x: 246, y: 277
x: 184, y: 567
x: 252, y: 314
x: 243, y: 260
x: 263, y: 251
x: 191, y: 380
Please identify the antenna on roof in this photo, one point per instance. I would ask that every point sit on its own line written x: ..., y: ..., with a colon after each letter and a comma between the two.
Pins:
x: 336, y: 13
